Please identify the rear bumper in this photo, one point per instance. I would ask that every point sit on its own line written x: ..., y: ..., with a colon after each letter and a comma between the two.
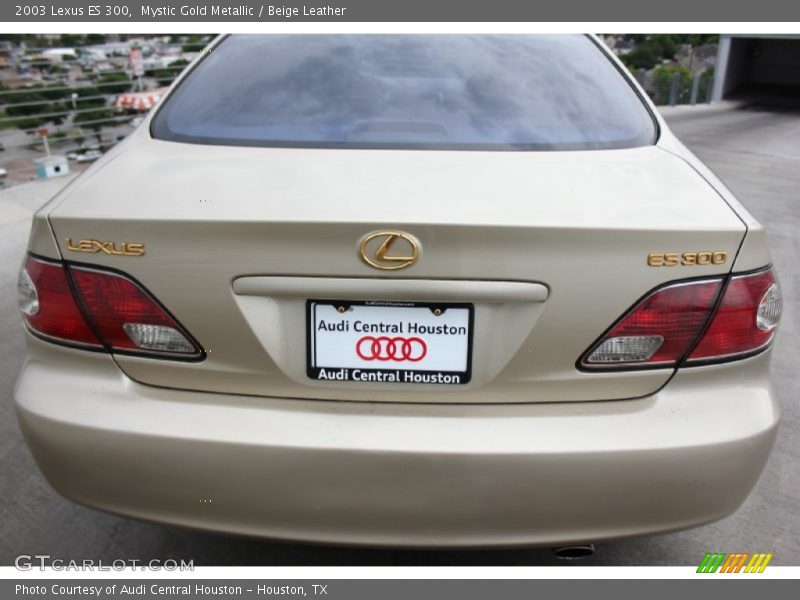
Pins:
x: 400, y: 475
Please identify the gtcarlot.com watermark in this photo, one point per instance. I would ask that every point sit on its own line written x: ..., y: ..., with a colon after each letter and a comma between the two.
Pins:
x: 28, y: 562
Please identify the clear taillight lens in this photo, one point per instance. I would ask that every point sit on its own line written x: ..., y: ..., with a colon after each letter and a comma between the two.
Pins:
x: 162, y: 338
x: 770, y: 308
x: 626, y: 348
x: 27, y: 296
x: 93, y: 307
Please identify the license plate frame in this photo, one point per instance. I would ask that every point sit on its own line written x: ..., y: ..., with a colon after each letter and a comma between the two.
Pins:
x: 463, y: 313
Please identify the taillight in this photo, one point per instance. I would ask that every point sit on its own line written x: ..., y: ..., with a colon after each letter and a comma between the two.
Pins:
x: 659, y: 330
x: 48, y: 305
x: 746, y: 319
x: 127, y: 317
x: 686, y: 323
x: 100, y: 308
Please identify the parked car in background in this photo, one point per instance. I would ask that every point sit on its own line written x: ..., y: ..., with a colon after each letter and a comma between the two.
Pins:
x: 424, y: 290
x: 88, y: 156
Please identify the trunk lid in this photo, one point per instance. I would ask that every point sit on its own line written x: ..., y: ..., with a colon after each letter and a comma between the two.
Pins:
x: 550, y: 247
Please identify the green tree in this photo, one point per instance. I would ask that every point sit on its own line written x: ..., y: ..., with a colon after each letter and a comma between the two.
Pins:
x: 55, y: 91
x: 30, y: 107
x: 194, y: 43
x: 71, y: 40
x: 31, y: 40
x: 87, y: 97
x: 651, y: 50
x: 95, y: 38
x: 662, y: 83
x: 665, y: 44
x: 644, y: 56
x: 122, y: 80
x: 704, y: 87
x: 94, y: 119
x: 193, y: 47
x: 697, y: 39
x: 165, y: 76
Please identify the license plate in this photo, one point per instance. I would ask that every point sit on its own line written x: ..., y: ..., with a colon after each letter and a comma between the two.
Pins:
x: 389, y: 342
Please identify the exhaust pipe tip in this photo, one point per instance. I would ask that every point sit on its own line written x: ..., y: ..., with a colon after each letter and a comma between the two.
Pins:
x: 577, y: 552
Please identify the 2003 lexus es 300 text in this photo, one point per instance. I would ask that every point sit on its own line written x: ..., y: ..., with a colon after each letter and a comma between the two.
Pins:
x: 401, y: 290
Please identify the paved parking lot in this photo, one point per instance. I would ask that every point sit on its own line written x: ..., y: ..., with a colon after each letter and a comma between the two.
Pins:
x: 755, y: 150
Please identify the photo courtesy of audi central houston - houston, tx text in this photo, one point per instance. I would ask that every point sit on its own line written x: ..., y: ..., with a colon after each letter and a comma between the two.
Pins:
x: 370, y: 291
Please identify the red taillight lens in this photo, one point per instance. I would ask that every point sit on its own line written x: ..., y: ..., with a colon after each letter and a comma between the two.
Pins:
x: 48, y: 305
x: 124, y: 315
x: 659, y: 330
x: 127, y: 316
x: 746, y: 319
x: 677, y: 320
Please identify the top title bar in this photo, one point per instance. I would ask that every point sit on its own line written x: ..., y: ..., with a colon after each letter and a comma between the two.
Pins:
x: 170, y: 11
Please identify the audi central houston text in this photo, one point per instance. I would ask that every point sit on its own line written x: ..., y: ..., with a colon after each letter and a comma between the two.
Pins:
x: 156, y: 589
x: 386, y: 375
x: 401, y: 290
x: 398, y: 327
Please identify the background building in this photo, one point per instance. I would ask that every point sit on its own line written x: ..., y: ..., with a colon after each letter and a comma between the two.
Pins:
x: 755, y: 65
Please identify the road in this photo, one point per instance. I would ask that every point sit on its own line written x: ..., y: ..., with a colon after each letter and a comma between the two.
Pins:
x: 755, y: 151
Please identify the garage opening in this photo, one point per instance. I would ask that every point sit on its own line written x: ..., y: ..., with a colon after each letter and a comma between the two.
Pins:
x: 759, y: 68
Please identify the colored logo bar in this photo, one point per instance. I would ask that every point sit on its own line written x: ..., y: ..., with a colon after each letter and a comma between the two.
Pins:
x: 735, y: 562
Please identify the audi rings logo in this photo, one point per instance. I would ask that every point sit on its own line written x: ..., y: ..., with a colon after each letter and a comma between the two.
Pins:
x: 397, y: 349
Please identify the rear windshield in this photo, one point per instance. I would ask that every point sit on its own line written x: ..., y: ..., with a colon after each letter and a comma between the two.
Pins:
x: 490, y: 92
